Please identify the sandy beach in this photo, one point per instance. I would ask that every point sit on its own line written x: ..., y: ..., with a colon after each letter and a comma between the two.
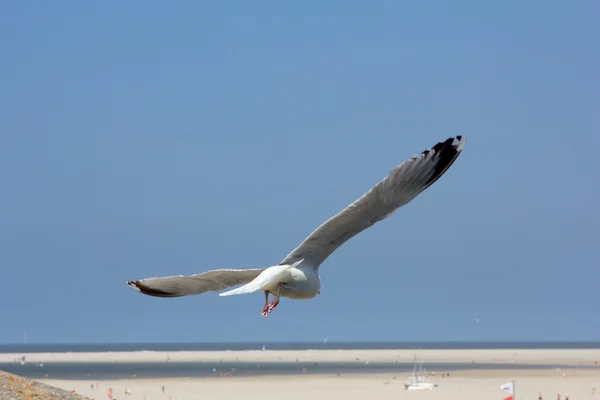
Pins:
x: 466, y: 385
x: 578, y: 383
x: 585, y: 357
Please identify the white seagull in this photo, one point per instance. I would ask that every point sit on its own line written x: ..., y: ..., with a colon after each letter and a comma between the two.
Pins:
x: 297, y: 276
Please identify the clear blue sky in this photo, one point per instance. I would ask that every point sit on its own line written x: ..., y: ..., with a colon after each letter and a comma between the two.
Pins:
x: 142, y: 139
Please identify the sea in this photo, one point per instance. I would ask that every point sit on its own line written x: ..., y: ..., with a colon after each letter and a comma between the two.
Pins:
x: 126, y: 370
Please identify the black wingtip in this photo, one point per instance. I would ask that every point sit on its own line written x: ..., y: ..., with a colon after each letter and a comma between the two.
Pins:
x: 446, y: 153
x: 144, y: 289
x: 134, y: 284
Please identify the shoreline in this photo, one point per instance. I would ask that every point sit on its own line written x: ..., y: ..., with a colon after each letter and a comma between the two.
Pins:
x: 402, y: 376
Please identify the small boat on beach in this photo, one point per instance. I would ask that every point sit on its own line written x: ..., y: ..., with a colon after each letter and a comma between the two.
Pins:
x: 418, y: 380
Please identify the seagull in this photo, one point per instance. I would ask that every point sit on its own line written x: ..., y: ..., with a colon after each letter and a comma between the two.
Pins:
x: 297, y: 276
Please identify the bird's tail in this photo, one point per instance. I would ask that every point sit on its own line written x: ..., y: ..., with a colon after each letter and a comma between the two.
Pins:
x: 268, y: 277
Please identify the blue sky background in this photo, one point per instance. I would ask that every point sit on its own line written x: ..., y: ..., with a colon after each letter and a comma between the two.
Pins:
x: 146, y: 138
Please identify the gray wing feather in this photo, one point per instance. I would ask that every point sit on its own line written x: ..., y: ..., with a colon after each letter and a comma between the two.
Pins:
x: 403, y: 184
x: 177, y: 286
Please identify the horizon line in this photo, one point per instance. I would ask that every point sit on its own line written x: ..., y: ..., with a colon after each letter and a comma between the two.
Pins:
x: 305, y: 342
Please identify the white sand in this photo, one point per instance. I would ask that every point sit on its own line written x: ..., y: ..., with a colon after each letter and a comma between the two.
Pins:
x: 464, y: 385
x: 586, y: 357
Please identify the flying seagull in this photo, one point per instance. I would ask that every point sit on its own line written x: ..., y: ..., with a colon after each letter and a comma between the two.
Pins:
x: 297, y: 276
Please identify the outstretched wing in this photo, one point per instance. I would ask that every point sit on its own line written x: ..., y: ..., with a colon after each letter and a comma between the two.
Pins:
x: 403, y: 184
x: 177, y: 286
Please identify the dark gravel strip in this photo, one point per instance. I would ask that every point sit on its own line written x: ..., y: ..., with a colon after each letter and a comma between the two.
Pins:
x: 14, y: 387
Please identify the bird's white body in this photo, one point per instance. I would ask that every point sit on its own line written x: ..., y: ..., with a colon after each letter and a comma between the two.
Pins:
x: 298, y: 281
x: 304, y: 283
x: 297, y: 275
